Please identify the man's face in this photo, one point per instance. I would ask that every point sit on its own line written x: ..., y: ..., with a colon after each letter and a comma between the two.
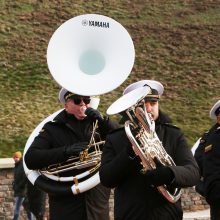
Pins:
x: 16, y: 159
x: 77, y: 106
x: 152, y: 107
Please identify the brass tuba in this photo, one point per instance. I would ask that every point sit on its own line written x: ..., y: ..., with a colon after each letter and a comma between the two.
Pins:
x: 87, y: 164
x: 89, y: 158
x: 140, y: 130
x: 88, y: 55
x: 50, y: 179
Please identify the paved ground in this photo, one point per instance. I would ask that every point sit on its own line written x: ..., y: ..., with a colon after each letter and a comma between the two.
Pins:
x: 199, y: 215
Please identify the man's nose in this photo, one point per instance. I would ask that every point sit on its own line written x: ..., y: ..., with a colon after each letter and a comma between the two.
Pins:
x: 82, y: 102
x: 148, y: 107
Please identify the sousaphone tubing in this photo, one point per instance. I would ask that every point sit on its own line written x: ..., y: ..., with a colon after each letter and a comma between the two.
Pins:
x: 88, y: 55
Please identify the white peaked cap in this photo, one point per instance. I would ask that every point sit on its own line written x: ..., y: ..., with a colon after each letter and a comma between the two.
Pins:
x: 61, y: 95
x: 94, y: 103
x: 152, y: 83
x: 213, y: 109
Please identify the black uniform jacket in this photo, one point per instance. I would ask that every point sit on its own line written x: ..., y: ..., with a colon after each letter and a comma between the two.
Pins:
x: 199, y: 156
x: 48, y: 148
x: 134, y: 200
x: 211, y: 165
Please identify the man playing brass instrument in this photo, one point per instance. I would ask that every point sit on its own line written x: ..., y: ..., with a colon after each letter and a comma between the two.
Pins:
x: 136, y: 194
x: 66, y: 136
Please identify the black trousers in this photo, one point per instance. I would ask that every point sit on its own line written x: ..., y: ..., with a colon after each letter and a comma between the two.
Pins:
x: 215, y: 211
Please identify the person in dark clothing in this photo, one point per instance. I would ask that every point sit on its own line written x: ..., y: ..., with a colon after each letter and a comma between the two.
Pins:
x: 207, y: 156
x: 136, y: 195
x: 20, y: 187
x: 69, y: 135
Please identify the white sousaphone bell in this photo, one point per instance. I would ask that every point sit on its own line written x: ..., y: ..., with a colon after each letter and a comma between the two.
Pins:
x: 88, y: 55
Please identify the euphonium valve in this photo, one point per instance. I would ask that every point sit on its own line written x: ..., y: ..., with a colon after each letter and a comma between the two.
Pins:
x: 148, y: 147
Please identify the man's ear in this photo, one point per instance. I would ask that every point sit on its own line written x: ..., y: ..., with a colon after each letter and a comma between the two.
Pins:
x: 66, y: 106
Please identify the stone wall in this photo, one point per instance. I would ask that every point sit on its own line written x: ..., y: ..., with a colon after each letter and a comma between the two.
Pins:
x: 191, y: 201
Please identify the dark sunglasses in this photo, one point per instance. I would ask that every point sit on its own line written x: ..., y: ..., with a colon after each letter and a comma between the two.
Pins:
x: 77, y: 100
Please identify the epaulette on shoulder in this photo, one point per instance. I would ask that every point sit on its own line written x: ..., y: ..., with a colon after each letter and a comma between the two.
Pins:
x: 205, y: 133
x: 204, y: 137
x: 171, y: 125
x: 47, y: 124
x: 51, y: 122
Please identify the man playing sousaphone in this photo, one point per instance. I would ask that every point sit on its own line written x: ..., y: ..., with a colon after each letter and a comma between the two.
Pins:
x: 136, y: 193
x: 68, y: 135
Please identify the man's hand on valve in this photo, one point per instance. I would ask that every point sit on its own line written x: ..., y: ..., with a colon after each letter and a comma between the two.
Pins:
x: 159, y: 176
x: 75, y: 149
